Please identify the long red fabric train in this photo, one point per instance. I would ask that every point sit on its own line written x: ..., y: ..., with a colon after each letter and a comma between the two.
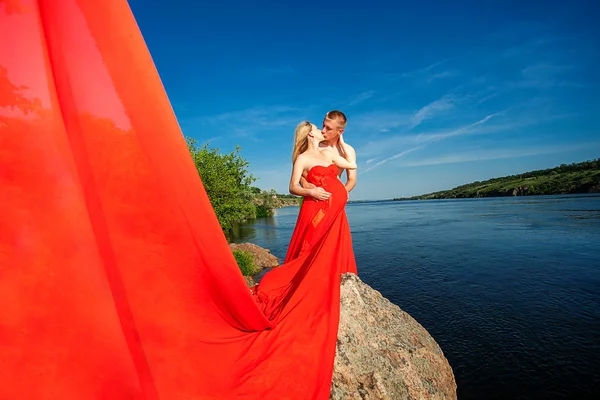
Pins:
x: 115, y: 278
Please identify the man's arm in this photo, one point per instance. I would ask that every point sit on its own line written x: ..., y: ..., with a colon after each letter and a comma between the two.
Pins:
x: 350, y: 173
x: 306, y: 184
x: 295, y: 188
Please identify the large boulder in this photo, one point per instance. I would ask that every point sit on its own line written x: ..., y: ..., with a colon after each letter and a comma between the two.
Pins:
x: 383, y: 353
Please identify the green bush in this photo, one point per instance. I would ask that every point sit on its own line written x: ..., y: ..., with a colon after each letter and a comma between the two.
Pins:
x: 263, y: 211
x: 245, y: 261
x: 265, y: 203
x: 227, y: 182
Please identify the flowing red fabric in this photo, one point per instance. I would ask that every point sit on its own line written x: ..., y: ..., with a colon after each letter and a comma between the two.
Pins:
x: 115, y: 278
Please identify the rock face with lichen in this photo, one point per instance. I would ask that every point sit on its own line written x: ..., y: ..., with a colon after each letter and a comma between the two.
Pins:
x: 383, y: 353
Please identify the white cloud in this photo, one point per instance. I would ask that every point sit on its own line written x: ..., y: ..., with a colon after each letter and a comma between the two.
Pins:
x: 422, y: 71
x: 247, y: 122
x: 495, y: 154
x: 394, y: 157
x: 361, y: 97
x: 377, y: 121
x: 433, y: 109
x: 378, y: 147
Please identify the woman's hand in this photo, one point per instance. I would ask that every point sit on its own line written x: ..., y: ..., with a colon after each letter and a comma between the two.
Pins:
x: 319, y: 194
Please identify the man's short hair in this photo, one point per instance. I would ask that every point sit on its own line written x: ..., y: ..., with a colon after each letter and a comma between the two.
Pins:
x: 337, y: 115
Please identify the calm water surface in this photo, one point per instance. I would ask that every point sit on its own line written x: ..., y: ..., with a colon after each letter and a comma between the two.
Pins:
x: 509, y: 287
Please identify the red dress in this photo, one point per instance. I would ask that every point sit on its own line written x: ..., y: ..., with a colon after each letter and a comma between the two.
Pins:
x: 115, y: 278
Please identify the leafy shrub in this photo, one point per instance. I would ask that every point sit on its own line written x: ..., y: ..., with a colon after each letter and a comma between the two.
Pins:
x: 245, y: 261
x: 227, y: 182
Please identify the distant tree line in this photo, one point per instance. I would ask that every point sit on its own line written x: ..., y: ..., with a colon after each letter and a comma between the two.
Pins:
x: 581, y: 177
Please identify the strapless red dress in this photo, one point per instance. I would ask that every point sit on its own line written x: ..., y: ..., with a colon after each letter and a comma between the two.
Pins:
x: 320, y: 248
x: 316, y: 217
x: 115, y: 278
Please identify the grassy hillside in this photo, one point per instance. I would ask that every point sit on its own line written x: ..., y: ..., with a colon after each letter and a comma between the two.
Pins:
x: 581, y: 177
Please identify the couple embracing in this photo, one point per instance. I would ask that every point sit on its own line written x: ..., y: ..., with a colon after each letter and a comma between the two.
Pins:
x: 319, y: 158
x: 301, y: 297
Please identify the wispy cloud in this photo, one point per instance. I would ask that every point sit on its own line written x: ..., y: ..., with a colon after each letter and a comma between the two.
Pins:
x: 429, y: 74
x: 487, y: 97
x: 496, y: 154
x: 443, y: 74
x: 422, y: 140
x: 421, y: 71
x: 544, y: 75
x: 467, y: 129
x: 247, y: 122
x: 264, y: 116
x: 433, y: 110
x: 394, y: 157
x: 361, y: 97
x: 378, y: 121
x: 213, y: 139
x: 525, y: 48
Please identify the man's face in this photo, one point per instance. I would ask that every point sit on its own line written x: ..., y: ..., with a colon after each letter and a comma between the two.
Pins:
x: 331, y: 129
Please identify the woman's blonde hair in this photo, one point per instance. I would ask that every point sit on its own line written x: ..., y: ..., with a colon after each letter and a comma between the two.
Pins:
x: 301, y: 139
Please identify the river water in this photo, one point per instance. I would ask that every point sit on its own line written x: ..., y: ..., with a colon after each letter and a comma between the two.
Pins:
x: 508, y: 287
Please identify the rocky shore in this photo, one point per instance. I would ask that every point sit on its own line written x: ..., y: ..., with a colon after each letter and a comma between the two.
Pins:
x: 382, y: 352
x: 281, y: 202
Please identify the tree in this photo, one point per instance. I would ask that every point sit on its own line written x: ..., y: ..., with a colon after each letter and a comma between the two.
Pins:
x: 266, y: 202
x: 227, y: 182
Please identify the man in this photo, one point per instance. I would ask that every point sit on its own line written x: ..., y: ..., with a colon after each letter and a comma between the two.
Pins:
x: 334, y: 124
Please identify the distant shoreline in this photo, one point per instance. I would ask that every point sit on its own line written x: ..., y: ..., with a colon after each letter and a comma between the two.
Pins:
x: 595, y: 194
x: 579, y: 178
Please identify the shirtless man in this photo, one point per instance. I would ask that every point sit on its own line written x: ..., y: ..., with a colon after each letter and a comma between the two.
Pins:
x: 334, y: 124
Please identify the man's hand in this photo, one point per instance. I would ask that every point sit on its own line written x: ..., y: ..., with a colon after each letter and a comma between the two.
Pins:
x: 318, y: 193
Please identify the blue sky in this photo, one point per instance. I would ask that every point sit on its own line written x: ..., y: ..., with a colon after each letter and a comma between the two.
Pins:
x: 437, y: 93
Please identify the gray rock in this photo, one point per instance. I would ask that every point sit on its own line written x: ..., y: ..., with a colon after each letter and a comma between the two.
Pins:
x: 383, y: 353
x: 262, y: 257
x: 249, y: 281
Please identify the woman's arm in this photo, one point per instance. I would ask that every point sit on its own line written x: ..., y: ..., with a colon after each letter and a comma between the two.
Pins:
x: 341, y: 162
